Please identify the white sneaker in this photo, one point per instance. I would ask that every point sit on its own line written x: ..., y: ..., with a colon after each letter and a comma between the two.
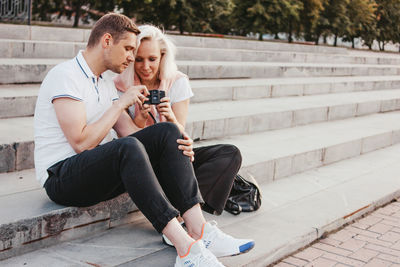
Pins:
x: 198, y: 256
x: 165, y: 239
x: 221, y: 244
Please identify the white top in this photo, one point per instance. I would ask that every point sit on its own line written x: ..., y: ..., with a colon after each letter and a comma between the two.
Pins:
x: 72, y: 79
x: 179, y: 91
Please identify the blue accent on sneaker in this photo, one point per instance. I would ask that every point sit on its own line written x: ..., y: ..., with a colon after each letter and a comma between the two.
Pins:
x: 246, y: 247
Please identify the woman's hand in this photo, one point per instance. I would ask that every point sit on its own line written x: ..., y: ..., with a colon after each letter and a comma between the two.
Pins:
x: 164, y: 108
x: 144, y: 111
x: 186, y: 145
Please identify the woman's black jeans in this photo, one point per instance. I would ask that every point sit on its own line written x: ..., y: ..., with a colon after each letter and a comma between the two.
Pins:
x: 147, y: 164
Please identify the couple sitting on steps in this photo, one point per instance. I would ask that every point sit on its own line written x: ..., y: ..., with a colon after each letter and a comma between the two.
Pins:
x: 79, y: 163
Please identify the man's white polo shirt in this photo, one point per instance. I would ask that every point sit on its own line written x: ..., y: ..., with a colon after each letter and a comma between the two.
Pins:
x: 72, y: 79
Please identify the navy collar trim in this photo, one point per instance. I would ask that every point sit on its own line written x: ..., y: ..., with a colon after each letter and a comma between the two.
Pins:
x: 84, y: 72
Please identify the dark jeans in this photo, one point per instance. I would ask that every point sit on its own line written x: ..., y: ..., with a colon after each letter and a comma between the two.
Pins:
x: 215, y: 168
x: 147, y: 164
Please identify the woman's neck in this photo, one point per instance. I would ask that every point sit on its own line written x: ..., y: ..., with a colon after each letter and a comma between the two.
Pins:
x: 153, y: 84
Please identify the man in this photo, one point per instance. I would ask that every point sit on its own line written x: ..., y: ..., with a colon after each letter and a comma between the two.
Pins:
x: 79, y: 164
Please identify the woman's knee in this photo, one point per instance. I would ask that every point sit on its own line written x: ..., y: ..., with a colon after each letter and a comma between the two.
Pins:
x: 130, y: 144
x: 234, y: 152
x: 166, y: 131
x: 169, y: 127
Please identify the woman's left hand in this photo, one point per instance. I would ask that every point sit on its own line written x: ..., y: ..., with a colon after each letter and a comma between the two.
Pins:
x: 164, y: 108
x: 186, y: 145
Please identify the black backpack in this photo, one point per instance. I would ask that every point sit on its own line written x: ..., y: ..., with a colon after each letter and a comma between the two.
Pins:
x: 244, y: 196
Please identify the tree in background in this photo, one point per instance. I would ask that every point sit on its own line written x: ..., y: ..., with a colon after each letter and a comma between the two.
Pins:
x: 369, y: 19
x: 388, y: 22
x: 309, y: 17
x: 290, y: 12
x: 219, y: 17
x: 322, y: 25
x: 335, y: 17
x: 42, y: 9
x: 255, y: 18
x: 362, y: 16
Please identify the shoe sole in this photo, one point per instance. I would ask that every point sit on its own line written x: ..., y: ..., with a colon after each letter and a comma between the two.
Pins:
x: 165, y: 242
x: 246, y: 248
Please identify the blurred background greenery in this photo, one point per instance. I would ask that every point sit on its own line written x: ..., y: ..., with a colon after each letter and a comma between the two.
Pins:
x: 309, y: 20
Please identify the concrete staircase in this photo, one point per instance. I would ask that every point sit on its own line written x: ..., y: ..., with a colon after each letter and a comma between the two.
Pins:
x: 326, y: 120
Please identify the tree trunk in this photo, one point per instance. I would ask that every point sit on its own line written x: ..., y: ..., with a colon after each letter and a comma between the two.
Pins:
x: 325, y: 39
x: 276, y: 36
x: 352, y: 42
x: 379, y: 46
x: 77, y: 13
x: 260, y: 38
x: 317, y: 39
x: 181, y: 28
x: 383, y: 46
x: 335, y: 42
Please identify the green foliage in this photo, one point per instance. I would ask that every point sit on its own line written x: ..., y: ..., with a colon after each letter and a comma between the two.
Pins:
x: 333, y: 19
x: 388, y: 21
x: 290, y: 16
x: 42, y: 9
x: 369, y: 19
x: 362, y: 16
x: 309, y: 17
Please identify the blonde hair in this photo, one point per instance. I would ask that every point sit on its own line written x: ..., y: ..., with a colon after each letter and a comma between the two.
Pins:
x: 168, y: 67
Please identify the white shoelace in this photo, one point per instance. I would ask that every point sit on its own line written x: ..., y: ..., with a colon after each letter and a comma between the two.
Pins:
x: 206, y: 259
x: 217, y: 232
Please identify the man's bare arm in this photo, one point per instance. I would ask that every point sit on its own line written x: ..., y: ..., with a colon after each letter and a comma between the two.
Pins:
x: 125, y: 125
x: 71, y: 115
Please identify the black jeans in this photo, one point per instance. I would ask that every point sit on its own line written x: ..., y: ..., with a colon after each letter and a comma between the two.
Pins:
x: 147, y: 164
x: 215, y: 168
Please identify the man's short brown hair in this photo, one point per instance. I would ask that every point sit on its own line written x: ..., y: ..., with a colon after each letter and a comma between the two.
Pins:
x: 114, y: 24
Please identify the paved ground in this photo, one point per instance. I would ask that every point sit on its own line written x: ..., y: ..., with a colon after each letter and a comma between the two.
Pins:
x: 371, y: 241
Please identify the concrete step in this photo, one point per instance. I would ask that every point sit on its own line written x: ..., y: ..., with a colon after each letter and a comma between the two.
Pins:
x: 272, y: 155
x: 17, y: 100
x: 34, y: 70
x: 295, y: 212
x: 223, y: 54
x: 10, y: 48
x: 16, y: 144
x: 29, y: 220
x: 40, y: 33
x: 240, y: 89
x: 39, y: 49
x: 226, y: 118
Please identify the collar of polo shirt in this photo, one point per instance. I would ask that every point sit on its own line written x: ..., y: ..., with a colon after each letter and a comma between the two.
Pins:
x: 85, y: 67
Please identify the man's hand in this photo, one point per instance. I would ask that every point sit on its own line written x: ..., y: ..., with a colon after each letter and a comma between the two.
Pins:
x: 134, y: 95
x: 186, y: 145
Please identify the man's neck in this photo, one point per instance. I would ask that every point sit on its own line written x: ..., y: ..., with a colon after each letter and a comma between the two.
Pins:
x: 93, y: 60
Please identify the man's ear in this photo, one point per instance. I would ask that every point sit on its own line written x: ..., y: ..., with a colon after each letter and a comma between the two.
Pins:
x: 106, y: 40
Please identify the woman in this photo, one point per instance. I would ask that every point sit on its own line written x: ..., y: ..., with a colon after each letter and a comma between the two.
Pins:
x: 215, y: 166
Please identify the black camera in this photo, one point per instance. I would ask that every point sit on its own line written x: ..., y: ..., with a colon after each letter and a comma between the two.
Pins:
x: 155, y: 97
